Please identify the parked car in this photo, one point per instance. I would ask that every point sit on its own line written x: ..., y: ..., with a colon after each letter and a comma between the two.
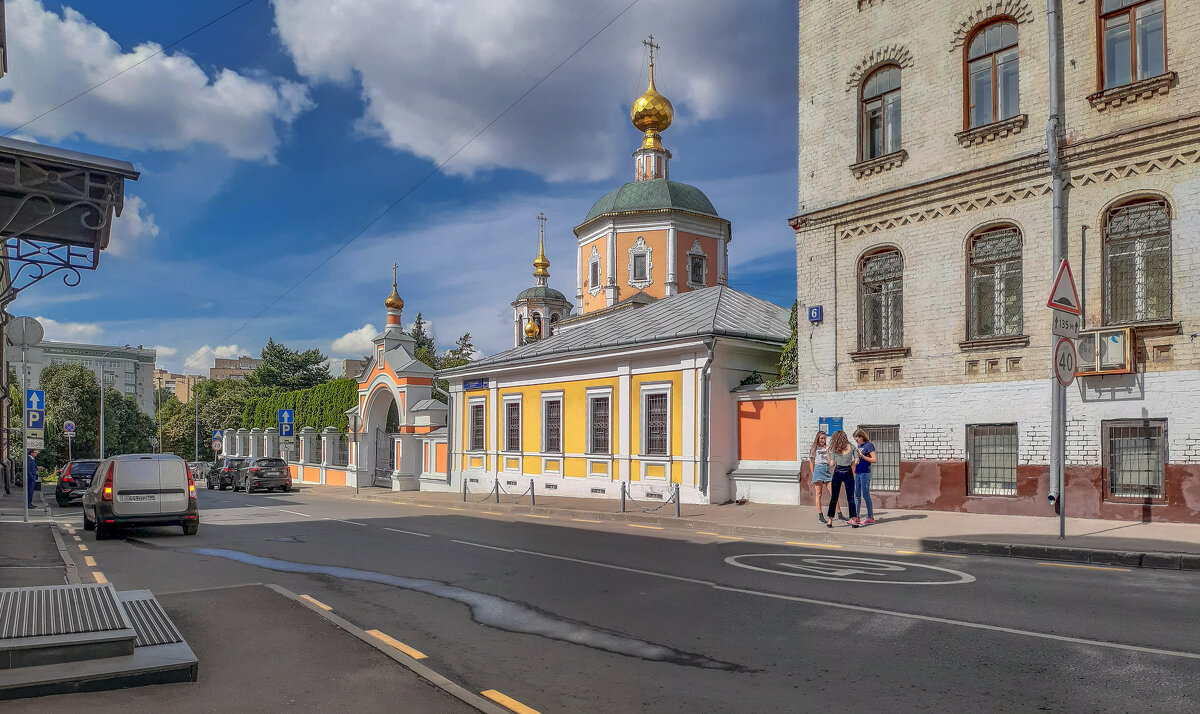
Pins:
x: 223, y: 472
x: 74, y: 480
x: 141, y: 490
x: 199, y: 469
x: 267, y: 472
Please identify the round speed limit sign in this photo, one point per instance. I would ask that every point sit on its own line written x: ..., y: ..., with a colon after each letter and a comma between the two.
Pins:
x: 1065, y: 361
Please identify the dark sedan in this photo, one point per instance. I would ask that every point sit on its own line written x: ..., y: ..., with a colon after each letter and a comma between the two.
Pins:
x: 223, y: 472
x: 268, y: 473
x: 74, y: 480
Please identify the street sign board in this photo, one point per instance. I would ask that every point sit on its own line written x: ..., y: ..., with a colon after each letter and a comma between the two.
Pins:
x: 830, y: 425
x: 1065, y: 361
x: 217, y: 444
x: 287, y: 422
x: 475, y: 383
x: 68, y: 427
x: 35, y: 399
x: 816, y: 313
x: 35, y: 419
x: 35, y: 442
x: 287, y: 440
x: 1063, y: 295
x: 218, y: 434
x: 1064, y: 324
x: 69, y: 434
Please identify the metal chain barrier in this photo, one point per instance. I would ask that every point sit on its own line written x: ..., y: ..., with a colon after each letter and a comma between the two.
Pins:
x: 467, y: 492
x: 637, y: 503
x: 518, y: 498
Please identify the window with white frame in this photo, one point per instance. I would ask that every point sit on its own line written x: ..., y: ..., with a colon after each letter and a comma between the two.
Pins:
x: 656, y: 423
x: 641, y: 264
x: 552, y: 424
x: 599, y: 424
x: 477, y: 426
x: 512, y: 425
x: 697, y: 267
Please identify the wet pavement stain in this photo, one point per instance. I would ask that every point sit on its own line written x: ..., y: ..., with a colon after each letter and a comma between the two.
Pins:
x: 495, y: 611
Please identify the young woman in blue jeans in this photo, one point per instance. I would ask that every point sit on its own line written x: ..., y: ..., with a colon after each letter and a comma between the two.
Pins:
x: 862, y: 476
x: 818, y: 458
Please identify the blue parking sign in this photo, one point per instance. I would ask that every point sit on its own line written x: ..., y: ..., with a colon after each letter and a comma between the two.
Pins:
x: 287, y: 419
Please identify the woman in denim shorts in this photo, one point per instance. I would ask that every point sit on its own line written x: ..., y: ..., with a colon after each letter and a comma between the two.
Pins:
x: 818, y: 458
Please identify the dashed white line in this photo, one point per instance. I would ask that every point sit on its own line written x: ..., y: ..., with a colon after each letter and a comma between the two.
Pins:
x: 294, y: 513
x: 339, y: 520
x: 397, y: 530
x: 480, y: 545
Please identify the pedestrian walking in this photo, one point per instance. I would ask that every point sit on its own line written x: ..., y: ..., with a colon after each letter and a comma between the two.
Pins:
x: 842, y: 456
x: 862, y: 475
x: 818, y: 458
x: 31, y: 474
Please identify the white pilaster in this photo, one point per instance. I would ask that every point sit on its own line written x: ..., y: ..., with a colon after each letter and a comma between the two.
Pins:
x: 493, y: 445
x: 672, y: 286
x: 610, y: 282
x: 624, y: 408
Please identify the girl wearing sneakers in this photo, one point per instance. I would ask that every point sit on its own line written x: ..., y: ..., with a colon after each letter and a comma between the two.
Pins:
x: 842, y: 456
x: 818, y: 458
x: 862, y: 476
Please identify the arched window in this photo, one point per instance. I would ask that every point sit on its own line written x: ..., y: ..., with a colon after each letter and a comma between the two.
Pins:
x: 881, y: 303
x: 1137, y: 262
x: 880, y: 114
x: 1135, y: 41
x: 992, y: 85
x: 994, y: 290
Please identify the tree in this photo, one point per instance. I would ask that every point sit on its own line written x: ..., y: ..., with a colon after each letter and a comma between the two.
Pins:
x: 788, y: 365
x: 462, y: 353
x: 127, y: 430
x: 72, y: 394
x: 289, y: 369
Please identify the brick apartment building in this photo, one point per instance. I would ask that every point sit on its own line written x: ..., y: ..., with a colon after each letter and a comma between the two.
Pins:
x: 923, y: 232
x: 233, y: 368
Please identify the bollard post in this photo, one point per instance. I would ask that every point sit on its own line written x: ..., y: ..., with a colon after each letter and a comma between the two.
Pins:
x: 532, y: 494
x: 677, y: 500
x: 496, y: 488
x: 464, y: 478
x: 622, y: 497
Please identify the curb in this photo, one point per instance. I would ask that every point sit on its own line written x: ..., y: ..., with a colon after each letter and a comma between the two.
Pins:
x: 1094, y: 556
x: 68, y: 563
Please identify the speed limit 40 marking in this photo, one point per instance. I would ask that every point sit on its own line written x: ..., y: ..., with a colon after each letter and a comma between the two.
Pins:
x: 1065, y: 361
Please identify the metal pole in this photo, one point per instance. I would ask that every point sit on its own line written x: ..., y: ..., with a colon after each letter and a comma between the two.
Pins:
x: 464, y: 489
x: 532, y: 494
x: 496, y: 488
x: 677, y: 513
x: 196, y: 399
x: 1054, y: 125
x: 69, y: 457
x: 622, y: 497
x: 102, y: 413
x: 25, y: 440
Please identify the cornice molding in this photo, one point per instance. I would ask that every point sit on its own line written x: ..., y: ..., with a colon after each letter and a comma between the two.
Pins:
x: 1130, y: 93
x: 1018, y: 10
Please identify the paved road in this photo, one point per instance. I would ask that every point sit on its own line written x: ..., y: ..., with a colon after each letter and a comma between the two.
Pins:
x: 579, y: 616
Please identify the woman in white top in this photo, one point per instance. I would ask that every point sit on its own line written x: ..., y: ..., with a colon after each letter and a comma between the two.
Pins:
x: 818, y: 461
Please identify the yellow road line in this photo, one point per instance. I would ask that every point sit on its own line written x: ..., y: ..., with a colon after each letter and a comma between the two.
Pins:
x: 729, y: 537
x: 316, y: 602
x: 422, y: 505
x: 533, y: 515
x: 508, y: 702
x: 83, y: 547
x: 393, y: 642
x: 705, y: 533
x: 813, y: 545
x: 919, y: 552
x: 99, y: 576
x: 77, y: 538
x: 638, y: 525
x: 89, y: 561
x: 492, y: 513
x: 452, y: 508
x: 585, y: 520
x: 1085, y: 567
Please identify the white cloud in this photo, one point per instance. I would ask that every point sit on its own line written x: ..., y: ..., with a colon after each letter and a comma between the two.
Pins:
x: 204, y: 357
x: 169, y: 102
x: 164, y: 351
x: 69, y: 331
x: 135, y: 225
x: 435, y: 73
x: 228, y: 351
x: 356, y: 342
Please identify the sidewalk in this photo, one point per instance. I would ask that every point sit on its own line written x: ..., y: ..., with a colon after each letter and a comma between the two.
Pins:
x: 12, y: 507
x: 1131, y: 544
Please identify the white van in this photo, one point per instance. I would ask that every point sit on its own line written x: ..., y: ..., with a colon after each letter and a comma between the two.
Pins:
x: 141, y: 490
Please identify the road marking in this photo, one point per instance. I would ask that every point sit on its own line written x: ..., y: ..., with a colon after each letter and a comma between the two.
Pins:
x: 83, y: 547
x: 339, y: 520
x: 480, y: 545
x: 89, y: 561
x: 454, y: 508
x: 77, y: 538
x: 294, y: 513
x: 638, y: 525
x: 508, y: 702
x: 397, y: 644
x: 813, y: 545
x: 1085, y: 567
x: 421, y: 505
x: 706, y: 533
x: 492, y: 513
x: 585, y: 520
x: 729, y: 537
x: 838, y: 567
x: 533, y: 515
x: 316, y: 602
x: 99, y: 576
x: 918, y: 552
x: 397, y: 530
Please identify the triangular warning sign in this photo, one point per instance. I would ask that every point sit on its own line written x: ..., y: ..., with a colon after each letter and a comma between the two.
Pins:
x: 1063, y: 295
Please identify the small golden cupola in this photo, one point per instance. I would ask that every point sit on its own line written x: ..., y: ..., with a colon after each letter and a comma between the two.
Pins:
x: 652, y: 114
x: 393, y: 303
x: 541, y: 264
x: 531, y: 330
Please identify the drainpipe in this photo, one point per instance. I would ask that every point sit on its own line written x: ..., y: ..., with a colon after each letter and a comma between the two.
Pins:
x: 705, y: 383
x: 1054, y: 125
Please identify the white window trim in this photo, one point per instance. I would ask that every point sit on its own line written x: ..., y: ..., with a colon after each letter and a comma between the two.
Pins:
x: 594, y: 259
x: 505, y: 401
x: 555, y: 396
x: 696, y: 250
x: 471, y: 403
x: 648, y: 388
x: 639, y: 247
x: 593, y: 393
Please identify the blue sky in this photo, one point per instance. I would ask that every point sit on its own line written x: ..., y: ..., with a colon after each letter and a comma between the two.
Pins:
x: 269, y: 139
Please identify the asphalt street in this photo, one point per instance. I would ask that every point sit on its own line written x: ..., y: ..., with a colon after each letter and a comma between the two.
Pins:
x: 576, y: 616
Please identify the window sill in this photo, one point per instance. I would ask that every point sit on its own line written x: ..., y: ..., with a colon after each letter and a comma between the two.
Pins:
x: 1143, y: 330
x: 1130, y: 93
x: 994, y: 343
x: 991, y: 132
x: 871, y: 355
x: 878, y: 165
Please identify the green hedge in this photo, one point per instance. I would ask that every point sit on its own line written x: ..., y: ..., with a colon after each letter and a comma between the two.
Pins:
x: 320, y: 406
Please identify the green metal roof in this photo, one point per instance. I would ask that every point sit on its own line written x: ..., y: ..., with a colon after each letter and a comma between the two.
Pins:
x: 651, y: 195
x: 542, y: 292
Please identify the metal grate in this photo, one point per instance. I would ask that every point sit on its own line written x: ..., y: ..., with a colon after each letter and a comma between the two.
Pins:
x: 476, y: 427
x: 553, y: 423
x: 512, y: 426
x: 59, y: 610
x: 341, y: 452
x: 885, y: 472
x: 599, y: 425
x: 996, y: 283
x: 1137, y: 263
x: 992, y: 459
x: 882, y: 300
x: 1134, y: 454
x: 656, y: 424
x: 150, y: 621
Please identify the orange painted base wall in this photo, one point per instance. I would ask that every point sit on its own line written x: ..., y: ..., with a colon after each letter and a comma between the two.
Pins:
x: 767, y: 430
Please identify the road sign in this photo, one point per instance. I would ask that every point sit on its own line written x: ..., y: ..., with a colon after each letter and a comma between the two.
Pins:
x: 218, y: 434
x: 35, y: 419
x: 68, y: 427
x: 287, y: 439
x: 1065, y: 361
x: 69, y: 434
x: 816, y: 313
x: 217, y: 444
x: 1063, y: 295
x: 287, y: 419
x: 35, y: 399
x: 35, y: 442
x: 1064, y: 324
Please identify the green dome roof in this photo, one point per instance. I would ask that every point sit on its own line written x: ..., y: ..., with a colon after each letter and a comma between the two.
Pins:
x: 541, y: 292
x: 652, y: 195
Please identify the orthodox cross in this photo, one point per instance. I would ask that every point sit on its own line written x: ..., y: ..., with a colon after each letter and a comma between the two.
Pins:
x: 394, y: 267
x: 541, y: 219
x: 649, y: 43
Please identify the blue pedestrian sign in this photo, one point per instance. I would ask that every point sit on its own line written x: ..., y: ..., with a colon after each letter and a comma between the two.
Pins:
x: 218, y: 434
x: 35, y: 419
x: 287, y: 419
x: 35, y: 399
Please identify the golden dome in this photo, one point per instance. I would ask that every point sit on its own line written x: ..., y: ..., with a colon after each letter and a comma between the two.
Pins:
x: 651, y: 113
x: 541, y: 262
x: 393, y: 301
x: 531, y: 329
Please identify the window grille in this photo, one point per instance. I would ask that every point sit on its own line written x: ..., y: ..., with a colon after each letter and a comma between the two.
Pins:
x: 599, y: 425
x: 1137, y: 263
x: 655, y: 423
x: 881, y: 113
x: 995, y: 290
x: 594, y: 274
x: 1135, y: 40
x: 696, y: 268
x: 882, y: 300
x: 512, y: 426
x: 639, y: 267
x: 992, y: 74
x: 476, y: 427
x: 341, y: 452
x: 553, y: 422
x: 885, y: 472
x: 992, y: 459
x: 1135, y: 452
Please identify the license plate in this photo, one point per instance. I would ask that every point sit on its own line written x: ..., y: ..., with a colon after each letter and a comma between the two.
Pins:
x: 140, y: 498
